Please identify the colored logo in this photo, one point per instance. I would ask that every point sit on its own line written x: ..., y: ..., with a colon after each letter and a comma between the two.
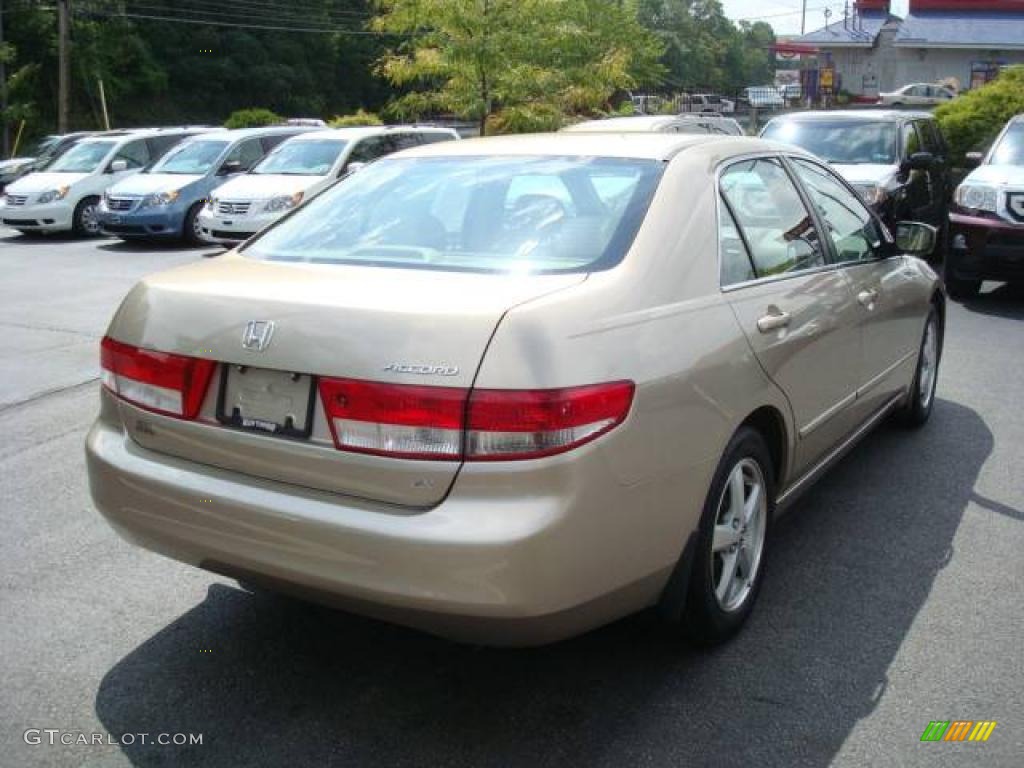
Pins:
x: 958, y: 730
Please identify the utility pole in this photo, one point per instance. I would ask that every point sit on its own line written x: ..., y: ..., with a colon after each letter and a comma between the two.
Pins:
x: 803, y: 18
x: 64, y: 73
x: 5, y: 140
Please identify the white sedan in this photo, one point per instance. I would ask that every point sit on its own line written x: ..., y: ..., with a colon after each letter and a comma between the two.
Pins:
x: 917, y: 95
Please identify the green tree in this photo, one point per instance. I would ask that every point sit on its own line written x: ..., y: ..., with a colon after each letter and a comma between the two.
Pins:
x: 972, y: 120
x: 704, y: 49
x: 514, y: 65
x: 255, y: 117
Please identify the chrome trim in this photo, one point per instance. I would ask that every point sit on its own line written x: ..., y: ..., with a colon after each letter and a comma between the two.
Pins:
x: 826, y: 415
x: 800, y: 485
x: 877, y: 379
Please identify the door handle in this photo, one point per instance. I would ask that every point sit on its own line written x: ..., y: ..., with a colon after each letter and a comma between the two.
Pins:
x: 774, y: 320
x: 868, y: 298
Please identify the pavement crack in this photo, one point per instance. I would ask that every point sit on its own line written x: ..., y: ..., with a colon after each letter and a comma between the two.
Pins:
x: 50, y: 329
x: 5, y: 407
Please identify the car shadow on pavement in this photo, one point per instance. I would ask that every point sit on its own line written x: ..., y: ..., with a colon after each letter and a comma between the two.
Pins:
x: 148, y: 246
x: 1003, y: 301
x: 271, y: 681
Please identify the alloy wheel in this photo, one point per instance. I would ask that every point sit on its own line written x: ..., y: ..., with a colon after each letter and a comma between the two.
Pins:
x: 929, y: 364
x: 738, y: 540
x: 90, y: 222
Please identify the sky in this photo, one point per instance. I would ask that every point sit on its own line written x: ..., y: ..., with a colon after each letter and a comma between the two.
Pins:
x: 784, y: 15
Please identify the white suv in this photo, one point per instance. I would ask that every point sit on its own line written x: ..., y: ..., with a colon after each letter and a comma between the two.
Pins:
x: 297, y: 170
x: 65, y: 196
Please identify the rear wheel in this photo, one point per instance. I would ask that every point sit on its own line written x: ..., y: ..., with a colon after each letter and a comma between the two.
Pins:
x: 84, y: 221
x: 192, y: 232
x: 732, y: 542
x: 922, y: 391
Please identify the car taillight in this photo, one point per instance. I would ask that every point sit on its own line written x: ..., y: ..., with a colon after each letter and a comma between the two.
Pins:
x: 446, y: 423
x: 527, y: 424
x: 158, y: 381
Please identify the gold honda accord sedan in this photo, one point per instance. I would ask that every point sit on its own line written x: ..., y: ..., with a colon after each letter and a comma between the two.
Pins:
x: 510, y: 389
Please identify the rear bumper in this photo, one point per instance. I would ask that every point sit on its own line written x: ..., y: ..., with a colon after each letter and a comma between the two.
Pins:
x: 983, y: 248
x: 153, y: 223
x: 518, y: 561
x: 52, y: 217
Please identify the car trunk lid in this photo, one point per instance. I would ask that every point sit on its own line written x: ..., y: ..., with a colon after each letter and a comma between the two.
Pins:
x: 402, y: 326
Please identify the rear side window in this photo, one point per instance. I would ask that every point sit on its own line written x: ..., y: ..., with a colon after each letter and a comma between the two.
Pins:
x: 768, y: 209
x: 158, y: 145
x: 405, y: 140
x: 246, y: 154
x: 736, y: 264
x: 853, y: 230
x: 930, y: 137
x: 911, y: 141
x: 369, y: 149
x: 269, y: 142
x: 134, y: 153
x: 434, y: 137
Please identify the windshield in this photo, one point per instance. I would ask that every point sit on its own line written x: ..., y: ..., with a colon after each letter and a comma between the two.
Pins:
x: 1010, y: 149
x: 82, y: 158
x: 480, y: 214
x: 843, y: 143
x: 302, y: 158
x: 193, y: 158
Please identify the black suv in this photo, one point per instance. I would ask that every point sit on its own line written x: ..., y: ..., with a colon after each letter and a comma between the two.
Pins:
x: 897, y: 160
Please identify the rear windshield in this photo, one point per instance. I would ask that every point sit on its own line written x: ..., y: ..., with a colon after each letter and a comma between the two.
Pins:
x: 850, y: 142
x: 302, y: 157
x: 193, y: 158
x: 1010, y: 149
x: 480, y: 214
x: 82, y: 158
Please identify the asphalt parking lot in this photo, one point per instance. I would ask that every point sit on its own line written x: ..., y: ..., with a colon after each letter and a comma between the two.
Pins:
x: 895, y: 596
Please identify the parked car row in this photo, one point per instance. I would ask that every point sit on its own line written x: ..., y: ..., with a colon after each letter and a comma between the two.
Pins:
x: 160, y: 183
x: 899, y: 163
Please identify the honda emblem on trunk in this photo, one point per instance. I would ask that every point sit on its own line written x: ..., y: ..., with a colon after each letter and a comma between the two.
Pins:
x: 257, y: 335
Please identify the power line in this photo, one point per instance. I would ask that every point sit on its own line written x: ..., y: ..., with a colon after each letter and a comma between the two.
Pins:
x: 215, y: 23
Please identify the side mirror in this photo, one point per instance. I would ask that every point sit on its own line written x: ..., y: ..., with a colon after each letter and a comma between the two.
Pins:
x: 973, y: 159
x: 230, y: 167
x: 118, y: 165
x: 919, y: 161
x: 352, y: 167
x: 916, y: 239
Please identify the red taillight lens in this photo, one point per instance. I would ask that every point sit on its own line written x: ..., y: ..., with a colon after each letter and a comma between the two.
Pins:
x: 420, y: 422
x: 158, y: 381
x: 395, y: 419
x: 517, y: 424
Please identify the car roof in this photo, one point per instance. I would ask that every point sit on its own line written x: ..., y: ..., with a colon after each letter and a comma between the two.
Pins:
x: 649, y: 146
x: 872, y: 115
x: 359, y: 131
x: 641, y: 122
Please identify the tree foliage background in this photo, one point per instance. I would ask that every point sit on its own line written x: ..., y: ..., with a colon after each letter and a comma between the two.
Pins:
x: 165, y: 62
x: 971, y: 121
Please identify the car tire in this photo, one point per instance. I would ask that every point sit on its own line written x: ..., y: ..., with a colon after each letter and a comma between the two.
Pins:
x: 921, y: 398
x: 957, y: 287
x: 84, y: 222
x: 716, y: 605
x: 190, y: 229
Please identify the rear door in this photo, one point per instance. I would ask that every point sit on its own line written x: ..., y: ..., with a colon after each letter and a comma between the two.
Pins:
x: 794, y: 306
x: 886, y: 299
